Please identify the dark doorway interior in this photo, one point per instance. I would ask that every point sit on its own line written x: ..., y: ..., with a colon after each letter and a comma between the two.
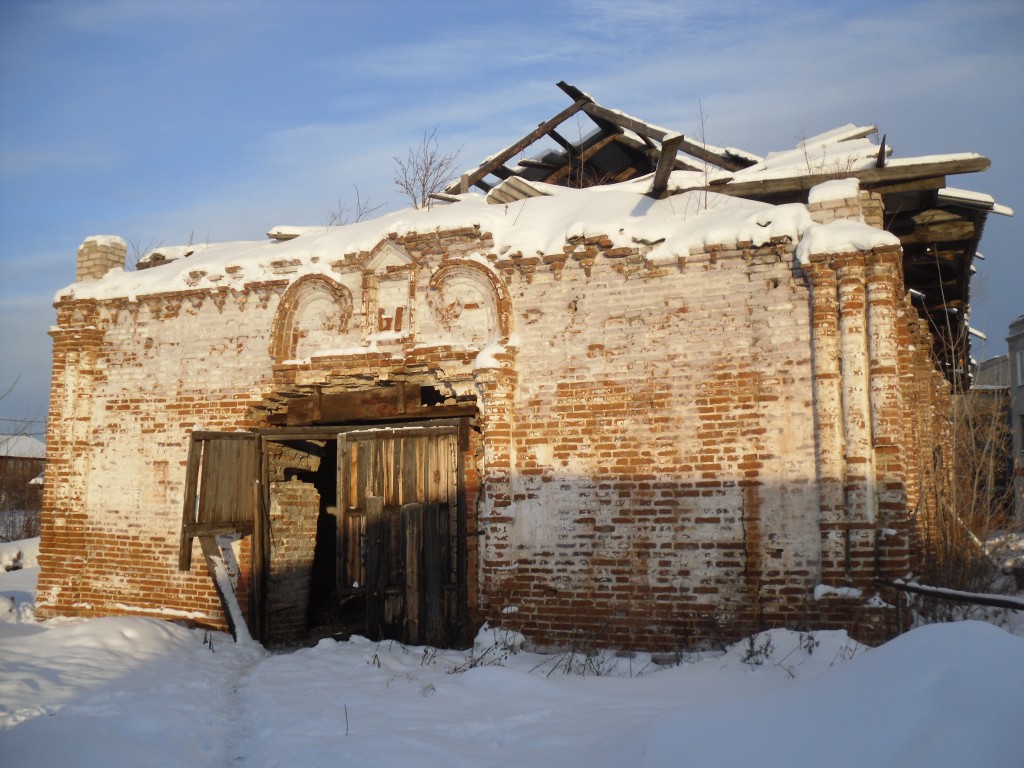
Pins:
x: 323, y: 613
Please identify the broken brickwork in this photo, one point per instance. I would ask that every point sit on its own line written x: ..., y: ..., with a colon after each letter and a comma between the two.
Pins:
x: 665, y: 452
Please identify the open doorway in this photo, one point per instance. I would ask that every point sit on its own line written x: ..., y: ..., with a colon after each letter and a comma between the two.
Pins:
x: 355, y: 529
x: 367, y: 532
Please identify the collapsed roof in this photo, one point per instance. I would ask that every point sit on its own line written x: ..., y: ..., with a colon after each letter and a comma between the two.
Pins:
x: 939, y: 227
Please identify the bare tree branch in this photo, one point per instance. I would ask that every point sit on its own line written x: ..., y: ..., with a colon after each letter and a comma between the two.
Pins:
x: 338, y: 216
x: 425, y: 170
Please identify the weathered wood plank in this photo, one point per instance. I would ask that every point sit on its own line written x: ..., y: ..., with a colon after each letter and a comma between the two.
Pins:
x: 376, y: 565
x: 227, y: 474
x: 581, y: 157
x: 435, y: 544
x: 563, y: 142
x: 412, y: 526
x: 367, y: 405
x: 189, y: 510
x: 641, y: 128
x: 214, y: 558
x: 869, y: 177
x: 222, y: 528
x: 260, y: 557
x: 666, y: 163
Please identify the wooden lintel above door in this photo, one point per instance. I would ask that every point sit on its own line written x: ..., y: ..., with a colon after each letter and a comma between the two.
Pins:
x: 395, y: 401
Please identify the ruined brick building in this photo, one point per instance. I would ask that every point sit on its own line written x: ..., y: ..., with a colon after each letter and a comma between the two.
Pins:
x: 632, y: 389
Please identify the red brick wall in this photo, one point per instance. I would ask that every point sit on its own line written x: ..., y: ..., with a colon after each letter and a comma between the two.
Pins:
x: 669, y: 453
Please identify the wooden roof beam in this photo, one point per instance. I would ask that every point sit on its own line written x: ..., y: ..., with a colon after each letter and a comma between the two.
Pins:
x: 646, y: 130
x: 581, y: 157
x: 886, y: 177
x: 602, y: 122
x: 527, y: 162
x: 473, y: 177
x: 666, y: 163
x: 563, y: 142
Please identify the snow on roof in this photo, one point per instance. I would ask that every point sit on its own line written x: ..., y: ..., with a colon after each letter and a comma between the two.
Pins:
x: 689, y: 218
x: 22, y: 446
x: 973, y: 199
x: 537, y: 225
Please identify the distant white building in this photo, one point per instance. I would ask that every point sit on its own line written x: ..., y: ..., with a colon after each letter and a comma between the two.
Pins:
x: 21, y: 447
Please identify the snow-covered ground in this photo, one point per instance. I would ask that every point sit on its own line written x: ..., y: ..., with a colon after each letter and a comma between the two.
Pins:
x: 139, y: 692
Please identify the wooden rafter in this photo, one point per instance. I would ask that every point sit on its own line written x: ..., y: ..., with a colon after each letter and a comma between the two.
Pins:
x: 563, y: 142
x: 473, y: 178
x: 581, y: 158
x: 643, y: 129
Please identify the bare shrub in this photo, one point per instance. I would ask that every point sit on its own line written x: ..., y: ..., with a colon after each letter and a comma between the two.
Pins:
x: 972, y: 492
x: 425, y: 171
x: 18, y: 524
x: 340, y: 215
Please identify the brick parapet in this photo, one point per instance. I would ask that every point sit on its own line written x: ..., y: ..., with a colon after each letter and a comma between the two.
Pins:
x: 98, y: 255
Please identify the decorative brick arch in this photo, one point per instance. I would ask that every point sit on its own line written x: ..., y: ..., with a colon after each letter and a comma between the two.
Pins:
x: 471, y: 302
x: 314, y: 311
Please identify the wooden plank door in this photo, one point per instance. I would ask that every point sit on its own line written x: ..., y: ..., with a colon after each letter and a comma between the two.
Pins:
x: 223, y: 497
x: 399, y: 490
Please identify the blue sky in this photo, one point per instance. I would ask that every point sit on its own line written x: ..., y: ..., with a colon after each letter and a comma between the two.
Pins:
x: 216, y: 120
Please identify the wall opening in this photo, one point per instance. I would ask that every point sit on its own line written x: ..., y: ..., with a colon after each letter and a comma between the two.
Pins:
x: 367, y: 532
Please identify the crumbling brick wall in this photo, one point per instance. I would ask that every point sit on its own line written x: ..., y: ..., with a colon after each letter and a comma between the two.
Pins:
x: 669, y: 452
x: 294, y: 506
x: 663, y: 491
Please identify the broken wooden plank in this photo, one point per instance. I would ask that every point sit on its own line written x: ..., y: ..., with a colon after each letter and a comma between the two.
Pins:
x: 563, y: 142
x: 225, y: 589
x: 442, y: 197
x: 188, y: 513
x: 227, y: 528
x: 381, y: 403
x: 260, y: 556
x: 580, y: 158
x: 868, y: 177
x: 666, y: 163
x: 527, y: 162
x: 915, y: 185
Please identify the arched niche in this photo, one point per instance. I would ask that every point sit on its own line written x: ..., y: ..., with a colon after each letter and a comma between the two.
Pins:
x: 470, y: 303
x: 314, y: 315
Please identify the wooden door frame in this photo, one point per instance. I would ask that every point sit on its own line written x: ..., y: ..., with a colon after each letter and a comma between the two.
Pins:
x: 460, y: 425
